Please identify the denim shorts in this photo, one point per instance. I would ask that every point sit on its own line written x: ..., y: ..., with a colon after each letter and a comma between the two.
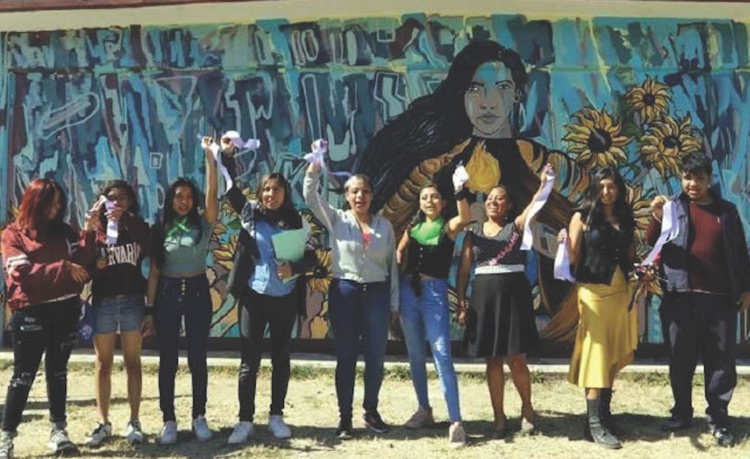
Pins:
x: 118, y: 313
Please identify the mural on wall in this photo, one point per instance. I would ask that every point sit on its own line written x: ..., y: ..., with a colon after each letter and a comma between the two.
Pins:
x: 404, y: 99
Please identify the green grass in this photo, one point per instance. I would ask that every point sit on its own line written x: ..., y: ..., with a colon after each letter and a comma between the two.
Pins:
x: 641, y: 404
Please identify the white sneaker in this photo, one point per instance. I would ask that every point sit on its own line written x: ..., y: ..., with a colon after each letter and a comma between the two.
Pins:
x: 456, y: 436
x: 201, y: 430
x: 278, y: 427
x: 134, y: 433
x: 6, y: 444
x: 242, y: 432
x: 99, y: 435
x: 169, y: 433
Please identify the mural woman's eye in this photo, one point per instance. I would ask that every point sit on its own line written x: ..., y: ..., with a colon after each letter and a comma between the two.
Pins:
x: 474, y: 88
x: 504, y: 85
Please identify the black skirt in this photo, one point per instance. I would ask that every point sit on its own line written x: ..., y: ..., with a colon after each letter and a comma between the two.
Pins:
x: 501, y: 319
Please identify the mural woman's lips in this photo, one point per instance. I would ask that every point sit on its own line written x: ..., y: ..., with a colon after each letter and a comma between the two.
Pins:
x: 488, y: 119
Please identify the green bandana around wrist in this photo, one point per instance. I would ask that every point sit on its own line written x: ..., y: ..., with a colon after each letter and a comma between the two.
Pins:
x: 428, y: 232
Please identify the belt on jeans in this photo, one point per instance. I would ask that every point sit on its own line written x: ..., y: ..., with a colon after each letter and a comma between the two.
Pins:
x: 365, y: 285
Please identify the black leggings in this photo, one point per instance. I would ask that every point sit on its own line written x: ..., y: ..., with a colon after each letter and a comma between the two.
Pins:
x: 50, y: 329
x: 279, y: 313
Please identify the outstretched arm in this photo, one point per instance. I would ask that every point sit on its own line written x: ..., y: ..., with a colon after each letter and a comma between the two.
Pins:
x: 212, y: 199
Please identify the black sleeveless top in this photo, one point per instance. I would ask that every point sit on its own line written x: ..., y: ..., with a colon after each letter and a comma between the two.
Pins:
x: 430, y: 260
x: 603, y: 248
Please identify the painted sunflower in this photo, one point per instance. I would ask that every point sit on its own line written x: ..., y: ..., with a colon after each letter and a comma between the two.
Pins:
x: 224, y: 253
x: 595, y: 139
x: 650, y: 101
x: 641, y: 206
x: 667, y: 141
x: 322, y: 275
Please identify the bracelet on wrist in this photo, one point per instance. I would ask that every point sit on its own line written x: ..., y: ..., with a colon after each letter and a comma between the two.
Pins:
x: 463, y: 194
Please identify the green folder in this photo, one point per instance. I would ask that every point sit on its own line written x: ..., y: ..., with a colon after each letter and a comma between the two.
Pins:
x: 290, y: 245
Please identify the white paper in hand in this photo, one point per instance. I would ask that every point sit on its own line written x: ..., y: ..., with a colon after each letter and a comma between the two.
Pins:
x: 460, y: 177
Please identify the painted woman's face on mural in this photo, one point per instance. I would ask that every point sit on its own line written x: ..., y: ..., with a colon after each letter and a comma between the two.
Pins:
x: 182, y: 203
x: 431, y: 202
x: 489, y: 100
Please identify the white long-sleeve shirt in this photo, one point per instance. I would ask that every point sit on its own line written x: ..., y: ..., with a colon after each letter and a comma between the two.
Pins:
x: 351, y: 261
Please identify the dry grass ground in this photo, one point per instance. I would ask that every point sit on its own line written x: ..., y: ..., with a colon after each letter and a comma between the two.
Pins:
x: 641, y: 405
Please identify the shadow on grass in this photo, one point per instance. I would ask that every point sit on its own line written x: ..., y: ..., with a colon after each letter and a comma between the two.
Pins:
x: 549, y: 424
x: 633, y: 427
x: 188, y: 447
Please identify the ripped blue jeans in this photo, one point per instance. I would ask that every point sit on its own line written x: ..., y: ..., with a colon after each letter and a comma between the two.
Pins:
x: 50, y: 329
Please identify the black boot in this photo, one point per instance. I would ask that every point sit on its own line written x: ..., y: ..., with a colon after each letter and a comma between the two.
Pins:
x: 595, y: 431
x: 605, y: 414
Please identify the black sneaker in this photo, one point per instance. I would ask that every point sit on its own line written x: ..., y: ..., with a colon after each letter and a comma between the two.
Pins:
x: 674, y: 424
x: 723, y: 437
x: 374, y: 422
x: 345, y: 430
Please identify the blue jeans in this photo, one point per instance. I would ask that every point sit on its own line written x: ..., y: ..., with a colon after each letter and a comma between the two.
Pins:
x: 359, y: 310
x: 177, y: 298
x: 428, y: 317
x: 121, y: 313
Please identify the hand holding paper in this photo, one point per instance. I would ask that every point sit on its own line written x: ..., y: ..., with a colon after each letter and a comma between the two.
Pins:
x: 460, y: 177
x: 319, y: 148
x: 229, y: 137
x: 547, y: 180
x: 562, y: 259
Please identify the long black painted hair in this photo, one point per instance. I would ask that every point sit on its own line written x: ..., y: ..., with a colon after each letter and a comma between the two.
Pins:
x: 592, y: 209
x: 286, y: 213
x: 435, y: 123
x: 165, y: 223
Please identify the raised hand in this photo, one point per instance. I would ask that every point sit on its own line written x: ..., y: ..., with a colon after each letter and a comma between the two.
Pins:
x: 657, y: 207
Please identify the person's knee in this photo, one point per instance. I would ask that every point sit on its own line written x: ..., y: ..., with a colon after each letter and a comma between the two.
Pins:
x: 132, y: 364
x: 22, y: 381
x: 495, y: 363
x: 104, y: 365
x: 517, y: 364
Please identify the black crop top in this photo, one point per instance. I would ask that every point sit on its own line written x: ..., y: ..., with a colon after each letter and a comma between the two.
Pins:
x: 430, y: 260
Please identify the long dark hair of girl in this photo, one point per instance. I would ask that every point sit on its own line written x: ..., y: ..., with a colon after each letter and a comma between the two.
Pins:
x: 286, y: 212
x: 134, y: 208
x: 592, y: 209
x: 435, y: 123
x: 165, y: 224
x: 36, y: 201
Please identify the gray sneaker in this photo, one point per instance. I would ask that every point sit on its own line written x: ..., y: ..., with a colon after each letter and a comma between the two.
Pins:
x: 422, y: 418
x: 6, y: 445
x: 134, y: 433
x: 59, y: 441
x: 99, y: 435
x: 456, y: 436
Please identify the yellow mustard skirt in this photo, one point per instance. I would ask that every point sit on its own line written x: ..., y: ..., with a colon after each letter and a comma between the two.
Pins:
x: 607, y: 333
